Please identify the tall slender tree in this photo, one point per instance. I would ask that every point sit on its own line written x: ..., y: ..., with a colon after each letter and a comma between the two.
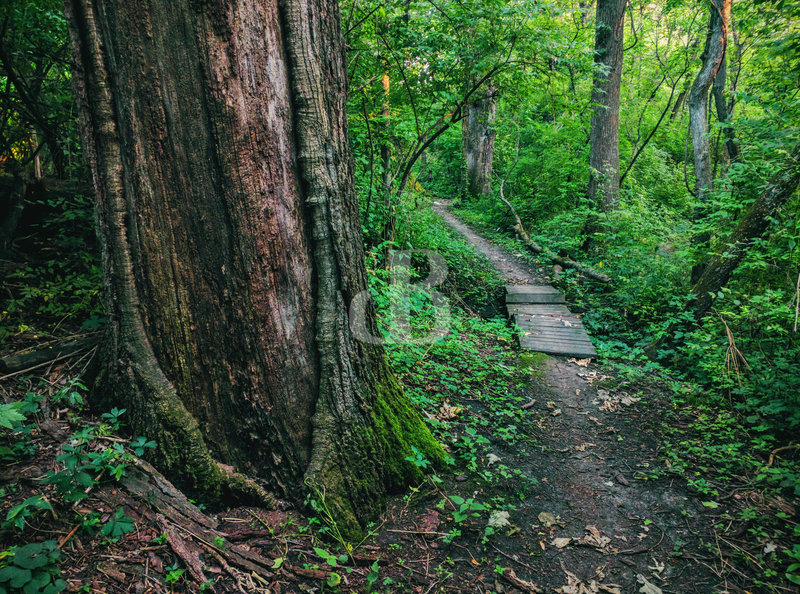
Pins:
x: 604, y: 133
x: 713, y: 58
x: 216, y: 134
x: 477, y: 143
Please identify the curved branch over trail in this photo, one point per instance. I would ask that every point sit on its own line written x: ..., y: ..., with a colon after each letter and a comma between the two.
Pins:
x: 753, y: 223
x: 555, y: 258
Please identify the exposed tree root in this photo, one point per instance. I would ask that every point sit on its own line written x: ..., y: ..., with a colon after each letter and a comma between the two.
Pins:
x: 190, y: 533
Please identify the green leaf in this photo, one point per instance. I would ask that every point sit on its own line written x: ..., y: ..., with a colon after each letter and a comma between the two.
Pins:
x: 36, y: 555
x: 15, y: 576
x: 119, y: 525
x: 10, y: 415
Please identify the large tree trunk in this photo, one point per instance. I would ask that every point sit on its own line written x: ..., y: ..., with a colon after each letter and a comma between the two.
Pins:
x: 752, y: 225
x: 604, y: 133
x: 477, y: 143
x: 217, y: 138
x: 712, y: 59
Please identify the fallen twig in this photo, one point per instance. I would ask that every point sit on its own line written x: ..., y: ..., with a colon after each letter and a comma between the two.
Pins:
x: 536, y: 248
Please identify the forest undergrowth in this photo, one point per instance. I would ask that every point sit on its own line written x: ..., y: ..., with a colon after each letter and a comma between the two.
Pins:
x: 495, y: 518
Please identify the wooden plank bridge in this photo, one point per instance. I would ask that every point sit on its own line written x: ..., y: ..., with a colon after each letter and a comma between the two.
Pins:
x: 547, y: 325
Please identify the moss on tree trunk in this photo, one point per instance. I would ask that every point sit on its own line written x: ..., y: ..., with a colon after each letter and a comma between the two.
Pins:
x: 216, y: 134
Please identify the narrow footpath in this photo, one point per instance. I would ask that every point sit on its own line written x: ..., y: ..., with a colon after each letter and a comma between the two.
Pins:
x: 603, y: 522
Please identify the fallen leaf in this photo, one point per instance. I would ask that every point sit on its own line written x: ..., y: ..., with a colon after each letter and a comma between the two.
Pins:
x: 430, y: 522
x: 647, y: 587
x: 771, y: 547
x: 499, y: 519
x: 520, y: 583
x: 580, y: 362
x: 560, y: 542
x: 595, y: 538
x: 657, y: 567
x: 492, y: 459
x: 556, y: 412
x: 547, y: 519
x: 447, y: 412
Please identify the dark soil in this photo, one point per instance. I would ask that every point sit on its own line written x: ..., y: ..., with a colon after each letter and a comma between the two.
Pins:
x: 577, y: 510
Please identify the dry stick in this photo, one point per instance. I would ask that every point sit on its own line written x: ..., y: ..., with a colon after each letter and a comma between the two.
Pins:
x: 536, y: 248
x: 776, y: 451
x: 5, y: 377
x: 797, y: 302
x: 509, y: 557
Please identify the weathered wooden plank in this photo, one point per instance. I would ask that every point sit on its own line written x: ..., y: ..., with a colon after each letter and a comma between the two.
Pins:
x: 531, y: 289
x: 538, y: 309
x: 546, y: 323
x: 536, y: 344
x: 558, y: 338
x: 566, y: 336
x: 526, y: 321
x: 535, y: 298
x: 578, y: 349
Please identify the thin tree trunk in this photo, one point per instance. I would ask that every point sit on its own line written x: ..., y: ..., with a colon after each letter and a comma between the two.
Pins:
x: 752, y: 224
x: 217, y: 138
x: 37, y: 162
x: 15, y: 205
x: 723, y: 113
x: 679, y: 103
x: 604, y: 134
x: 386, y: 147
x: 477, y: 144
x: 712, y: 59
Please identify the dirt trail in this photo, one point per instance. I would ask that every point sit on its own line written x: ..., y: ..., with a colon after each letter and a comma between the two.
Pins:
x: 512, y: 267
x: 599, y: 523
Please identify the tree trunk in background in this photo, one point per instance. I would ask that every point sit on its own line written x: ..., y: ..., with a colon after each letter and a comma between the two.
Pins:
x: 386, y: 147
x: 14, y: 204
x: 604, y: 134
x: 216, y: 133
x: 712, y: 59
x: 752, y: 224
x: 680, y: 101
x: 724, y: 111
x: 477, y: 143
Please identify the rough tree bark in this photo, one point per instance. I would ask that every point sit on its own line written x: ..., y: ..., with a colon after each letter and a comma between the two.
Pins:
x: 752, y: 224
x: 724, y: 108
x: 216, y: 133
x: 477, y: 143
x: 712, y: 59
x: 604, y: 133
